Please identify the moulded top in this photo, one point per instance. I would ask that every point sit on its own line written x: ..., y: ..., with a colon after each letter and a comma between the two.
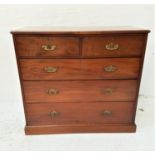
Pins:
x: 79, y: 30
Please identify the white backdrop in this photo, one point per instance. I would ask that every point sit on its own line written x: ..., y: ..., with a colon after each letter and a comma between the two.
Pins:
x: 14, y: 16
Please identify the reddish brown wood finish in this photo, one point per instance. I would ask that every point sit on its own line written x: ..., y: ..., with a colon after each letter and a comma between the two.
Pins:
x: 127, y: 68
x: 78, y: 75
x: 79, y: 113
x: 81, y: 91
x: 32, y: 46
x: 78, y: 128
x: 129, y: 45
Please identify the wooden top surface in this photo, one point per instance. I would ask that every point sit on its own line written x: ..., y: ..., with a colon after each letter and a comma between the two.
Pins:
x: 79, y: 30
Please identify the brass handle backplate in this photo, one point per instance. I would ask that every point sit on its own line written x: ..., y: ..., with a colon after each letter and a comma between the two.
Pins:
x: 48, y: 47
x: 52, y: 91
x: 112, y: 46
x: 50, y: 69
x: 110, y: 68
x: 108, y: 91
x: 106, y: 113
x: 54, y: 114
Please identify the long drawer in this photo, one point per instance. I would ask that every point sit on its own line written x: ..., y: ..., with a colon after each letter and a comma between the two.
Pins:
x: 69, y: 69
x: 80, y: 91
x: 79, y: 113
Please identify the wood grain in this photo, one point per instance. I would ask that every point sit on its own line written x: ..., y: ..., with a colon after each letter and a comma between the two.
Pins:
x: 81, y: 128
x: 80, y: 56
x: 75, y: 69
x: 32, y: 46
x: 80, y: 91
x: 79, y: 113
x: 129, y: 45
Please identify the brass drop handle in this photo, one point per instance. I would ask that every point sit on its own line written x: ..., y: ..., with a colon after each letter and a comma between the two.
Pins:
x: 108, y: 91
x: 112, y: 46
x: 54, y: 114
x: 50, y: 69
x: 106, y: 113
x: 110, y: 68
x: 52, y: 91
x: 48, y: 47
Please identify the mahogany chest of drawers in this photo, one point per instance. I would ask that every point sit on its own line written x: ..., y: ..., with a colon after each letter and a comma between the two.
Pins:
x: 79, y: 80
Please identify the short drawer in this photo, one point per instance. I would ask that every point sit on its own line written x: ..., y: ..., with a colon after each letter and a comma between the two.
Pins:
x: 113, y: 46
x: 79, y: 113
x: 46, y: 46
x: 80, y: 91
x: 68, y: 69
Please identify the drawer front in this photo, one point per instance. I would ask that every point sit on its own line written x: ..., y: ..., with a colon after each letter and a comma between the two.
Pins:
x: 43, y: 46
x: 113, y: 46
x: 80, y: 91
x: 116, y: 68
x: 79, y: 113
